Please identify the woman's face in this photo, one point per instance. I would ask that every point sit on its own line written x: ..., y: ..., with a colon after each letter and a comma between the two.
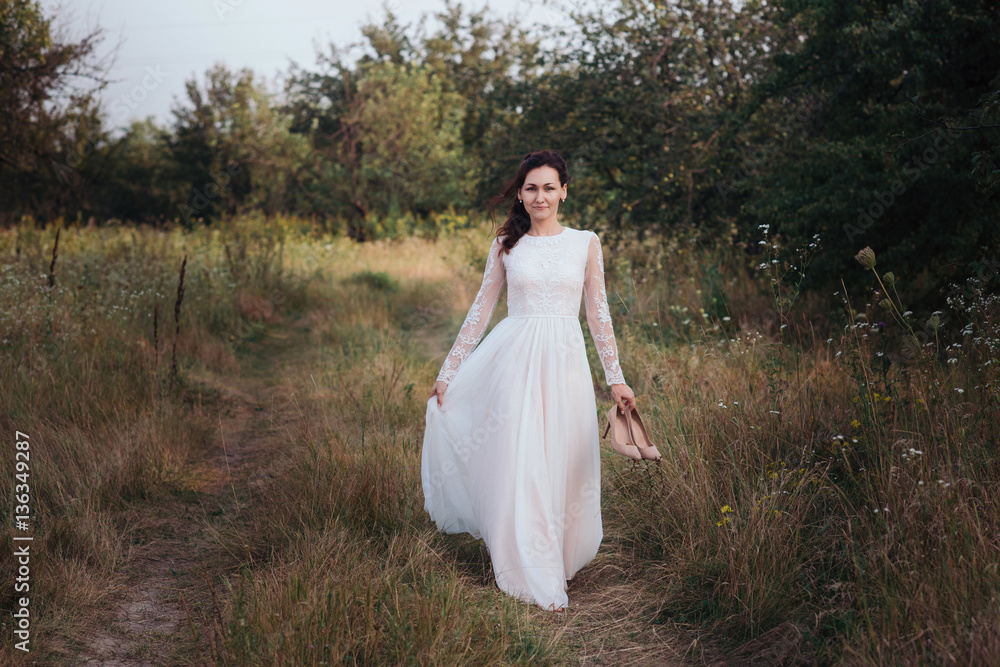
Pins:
x: 542, y: 193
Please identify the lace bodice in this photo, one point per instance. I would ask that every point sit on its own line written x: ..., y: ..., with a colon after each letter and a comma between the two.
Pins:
x: 546, y: 276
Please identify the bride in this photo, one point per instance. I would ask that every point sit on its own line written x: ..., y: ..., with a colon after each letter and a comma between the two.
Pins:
x: 511, y: 452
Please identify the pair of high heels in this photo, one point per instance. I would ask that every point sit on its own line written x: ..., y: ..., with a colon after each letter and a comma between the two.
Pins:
x: 628, y: 435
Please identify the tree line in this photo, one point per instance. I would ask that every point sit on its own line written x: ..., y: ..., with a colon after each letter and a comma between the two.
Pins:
x: 863, y: 122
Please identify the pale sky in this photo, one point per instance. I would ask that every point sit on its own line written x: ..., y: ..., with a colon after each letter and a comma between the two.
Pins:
x: 168, y: 42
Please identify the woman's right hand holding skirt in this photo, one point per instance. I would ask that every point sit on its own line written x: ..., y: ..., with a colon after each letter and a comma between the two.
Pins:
x: 438, y: 390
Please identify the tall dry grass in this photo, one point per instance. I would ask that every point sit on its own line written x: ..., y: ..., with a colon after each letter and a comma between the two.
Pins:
x: 341, y: 562
x: 84, y: 373
x: 826, y: 494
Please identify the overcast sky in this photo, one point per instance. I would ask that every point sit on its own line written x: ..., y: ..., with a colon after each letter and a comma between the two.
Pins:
x: 166, y: 43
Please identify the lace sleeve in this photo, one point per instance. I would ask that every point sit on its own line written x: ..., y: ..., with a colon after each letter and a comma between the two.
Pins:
x: 475, y: 322
x: 598, y: 315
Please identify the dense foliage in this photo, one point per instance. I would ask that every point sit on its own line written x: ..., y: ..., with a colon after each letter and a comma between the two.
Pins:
x: 864, y: 122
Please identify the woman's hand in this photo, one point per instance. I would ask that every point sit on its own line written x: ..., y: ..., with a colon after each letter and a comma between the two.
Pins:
x: 623, y: 396
x: 438, y: 390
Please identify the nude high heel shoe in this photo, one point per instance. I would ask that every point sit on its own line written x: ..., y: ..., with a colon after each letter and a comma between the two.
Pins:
x: 621, y: 441
x: 639, y: 437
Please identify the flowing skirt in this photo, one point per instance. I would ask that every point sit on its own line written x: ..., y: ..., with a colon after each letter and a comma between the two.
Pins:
x: 513, y: 457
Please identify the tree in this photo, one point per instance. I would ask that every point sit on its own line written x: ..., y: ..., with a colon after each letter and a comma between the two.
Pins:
x: 49, y: 116
x: 877, y: 164
x: 229, y: 148
x: 638, y: 102
x: 387, y: 132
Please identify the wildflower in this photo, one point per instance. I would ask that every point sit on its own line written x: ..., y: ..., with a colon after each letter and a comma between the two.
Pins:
x: 934, y: 321
x: 959, y: 390
x: 726, y: 509
x: 889, y: 278
x: 866, y: 257
x: 855, y: 423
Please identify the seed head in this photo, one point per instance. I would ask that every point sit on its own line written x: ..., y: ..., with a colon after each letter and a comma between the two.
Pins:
x: 866, y: 257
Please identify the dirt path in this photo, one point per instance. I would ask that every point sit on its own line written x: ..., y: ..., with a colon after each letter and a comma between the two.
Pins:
x: 168, y: 589
x: 610, y: 617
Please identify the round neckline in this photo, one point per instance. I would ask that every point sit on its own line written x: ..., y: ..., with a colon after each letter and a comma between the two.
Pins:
x: 549, y: 239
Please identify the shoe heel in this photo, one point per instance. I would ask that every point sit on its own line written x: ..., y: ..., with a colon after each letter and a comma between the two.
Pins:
x: 620, y: 438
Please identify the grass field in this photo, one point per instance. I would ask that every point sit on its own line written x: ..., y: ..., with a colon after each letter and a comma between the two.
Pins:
x: 828, y: 488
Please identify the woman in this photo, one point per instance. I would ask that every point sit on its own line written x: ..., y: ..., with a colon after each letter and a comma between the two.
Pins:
x: 511, y: 452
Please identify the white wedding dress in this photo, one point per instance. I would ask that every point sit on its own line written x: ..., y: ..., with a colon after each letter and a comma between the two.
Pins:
x: 512, y: 456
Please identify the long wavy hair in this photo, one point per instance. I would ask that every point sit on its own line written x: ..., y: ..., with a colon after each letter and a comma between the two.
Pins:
x: 518, y: 221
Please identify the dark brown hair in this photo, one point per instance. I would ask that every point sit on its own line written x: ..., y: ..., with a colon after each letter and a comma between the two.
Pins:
x: 518, y: 221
